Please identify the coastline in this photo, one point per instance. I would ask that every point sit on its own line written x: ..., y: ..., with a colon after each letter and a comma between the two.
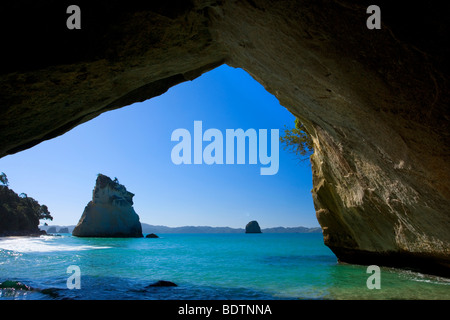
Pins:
x: 23, y: 234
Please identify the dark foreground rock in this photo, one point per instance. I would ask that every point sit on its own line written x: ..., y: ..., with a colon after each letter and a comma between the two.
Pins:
x: 110, y: 213
x: 162, y: 283
x: 16, y: 285
x: 252, y: 227
x: 10, y: 288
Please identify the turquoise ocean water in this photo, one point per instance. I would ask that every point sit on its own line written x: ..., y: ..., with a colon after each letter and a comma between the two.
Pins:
x: 204, y: 266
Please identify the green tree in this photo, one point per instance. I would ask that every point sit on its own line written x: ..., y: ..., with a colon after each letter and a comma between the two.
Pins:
x: 44, y: 213
x: 298, y: 141
x: 4, y: 179
x: 37, y: 210
x: 20, y: 214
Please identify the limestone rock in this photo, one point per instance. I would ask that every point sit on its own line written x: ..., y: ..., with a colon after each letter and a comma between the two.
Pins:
x: 110, y: 213
x: 252, y: 227
x: 375, y: 101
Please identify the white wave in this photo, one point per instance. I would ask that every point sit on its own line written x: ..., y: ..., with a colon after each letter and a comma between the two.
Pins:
x: 426, y: 278
x: 42, y: 244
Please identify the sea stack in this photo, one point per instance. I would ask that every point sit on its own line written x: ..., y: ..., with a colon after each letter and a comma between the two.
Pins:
x: 252, y: 227
x: 110, y: 213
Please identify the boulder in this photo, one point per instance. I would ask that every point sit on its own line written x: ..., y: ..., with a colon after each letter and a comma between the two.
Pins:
x: 252, y: 227
x: 162, y: 283
x: 110, y: 213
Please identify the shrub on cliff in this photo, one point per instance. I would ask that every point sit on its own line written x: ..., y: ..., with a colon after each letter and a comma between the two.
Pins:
x: 298, y: 141
x: 4, y: 179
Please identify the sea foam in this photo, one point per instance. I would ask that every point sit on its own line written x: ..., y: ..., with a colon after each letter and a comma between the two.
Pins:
x: 41, y: 244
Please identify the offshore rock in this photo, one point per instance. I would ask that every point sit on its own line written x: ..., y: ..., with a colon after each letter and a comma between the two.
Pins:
x: 110, y: 213
x: 52, y: 229
x: 252, y: 227
x: 151, y: 235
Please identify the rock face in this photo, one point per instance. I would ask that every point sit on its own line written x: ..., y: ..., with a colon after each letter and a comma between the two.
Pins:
x: 110, y: 213
x: 374, y: 101
x: 252, y: 227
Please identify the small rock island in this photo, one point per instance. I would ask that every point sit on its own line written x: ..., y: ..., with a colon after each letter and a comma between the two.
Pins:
x: 252, y: 227
x: 110, y: 213
x: 152, y: 235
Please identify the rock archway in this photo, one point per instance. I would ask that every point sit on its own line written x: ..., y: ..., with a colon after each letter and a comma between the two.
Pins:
x: 376, y: 102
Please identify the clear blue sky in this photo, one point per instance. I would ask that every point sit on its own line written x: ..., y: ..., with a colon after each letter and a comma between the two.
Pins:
x: 134, y: 144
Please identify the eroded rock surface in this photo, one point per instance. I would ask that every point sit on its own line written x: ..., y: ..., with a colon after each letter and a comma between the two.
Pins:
x: 376, y: 102
x: 110, y: 213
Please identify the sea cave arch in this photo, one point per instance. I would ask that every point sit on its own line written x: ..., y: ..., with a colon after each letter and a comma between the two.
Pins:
x: 375, y: 101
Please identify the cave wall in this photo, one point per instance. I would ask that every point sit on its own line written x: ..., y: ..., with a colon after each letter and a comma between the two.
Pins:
x: 375, y: 101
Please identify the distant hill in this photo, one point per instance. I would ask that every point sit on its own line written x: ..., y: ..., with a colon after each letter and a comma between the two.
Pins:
x: 292, y: 230
x: 56, y: 228
x: 148, y: 228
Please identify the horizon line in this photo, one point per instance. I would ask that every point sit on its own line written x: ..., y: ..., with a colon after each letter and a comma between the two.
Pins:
x: 194, y: 226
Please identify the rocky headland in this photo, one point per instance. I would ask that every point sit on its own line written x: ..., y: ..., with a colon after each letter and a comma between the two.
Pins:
x: 20, y: 214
